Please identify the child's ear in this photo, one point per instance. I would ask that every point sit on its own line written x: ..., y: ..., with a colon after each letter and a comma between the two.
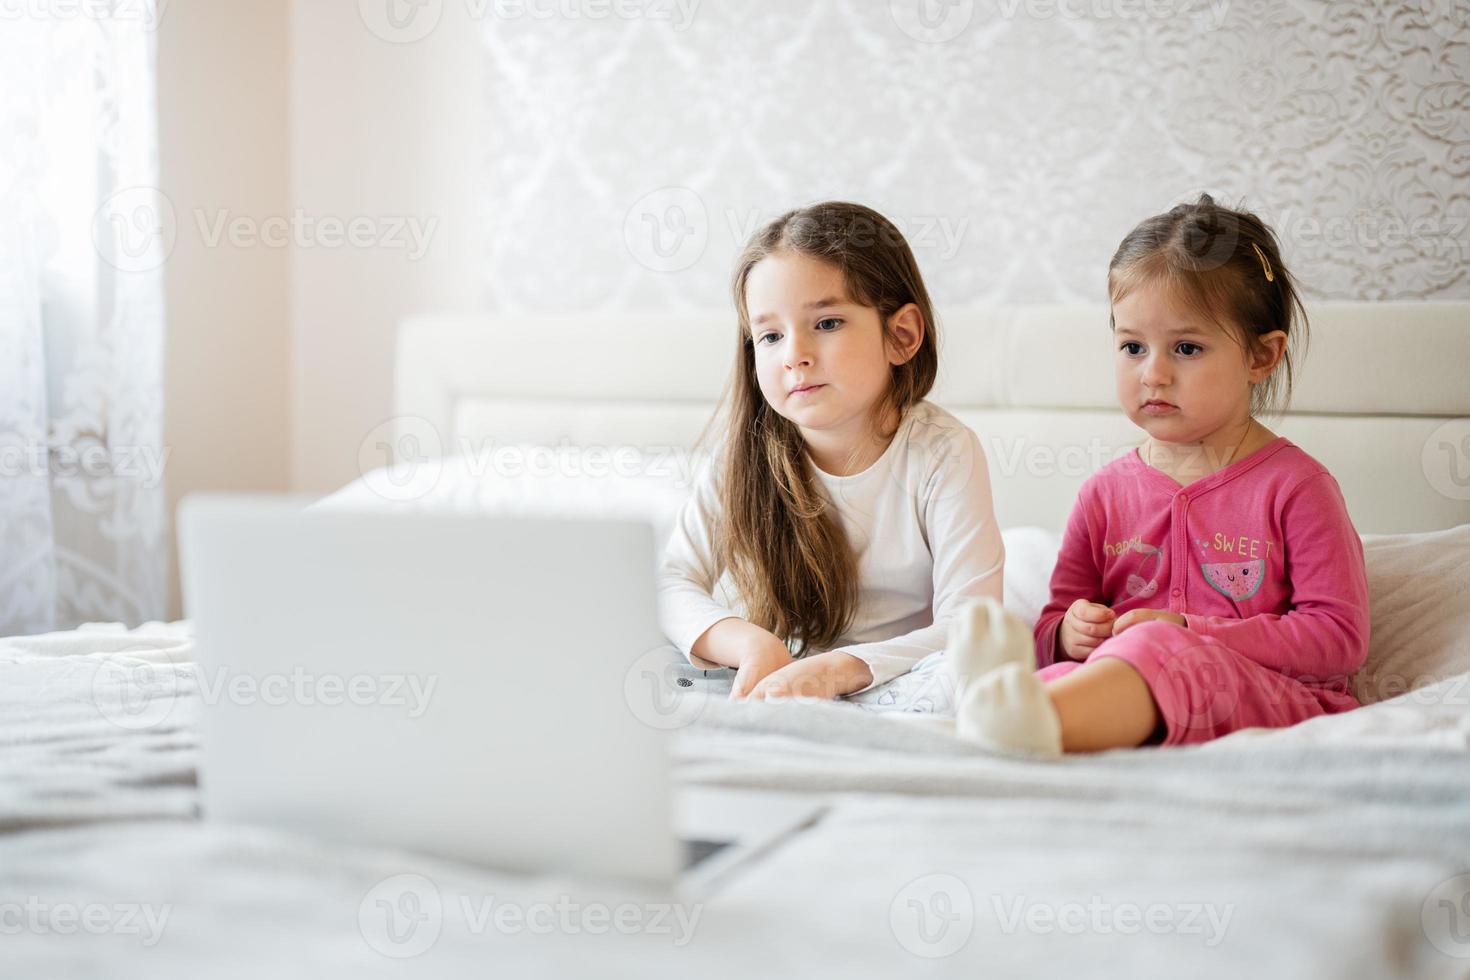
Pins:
x: 906, y: 332
x: 1266, y: 354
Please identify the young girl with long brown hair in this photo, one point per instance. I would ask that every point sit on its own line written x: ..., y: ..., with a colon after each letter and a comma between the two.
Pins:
x: 844, y: 520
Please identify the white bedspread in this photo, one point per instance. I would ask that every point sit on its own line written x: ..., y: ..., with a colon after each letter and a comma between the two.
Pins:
x: 1329, y: 850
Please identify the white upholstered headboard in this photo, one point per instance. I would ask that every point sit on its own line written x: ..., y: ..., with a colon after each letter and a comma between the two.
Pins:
x: 1382, y: 399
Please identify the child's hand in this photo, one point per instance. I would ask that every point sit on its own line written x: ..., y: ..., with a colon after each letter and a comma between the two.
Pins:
x: 756, y: 663
x: 823, y: 675
x: 1084, y: 628
x: 1135, y: 616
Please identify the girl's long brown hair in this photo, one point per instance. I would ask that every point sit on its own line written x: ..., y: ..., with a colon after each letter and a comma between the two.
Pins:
x: 780, y: 537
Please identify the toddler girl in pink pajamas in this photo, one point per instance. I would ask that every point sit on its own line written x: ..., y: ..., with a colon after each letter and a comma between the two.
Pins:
x: 1211, y: 580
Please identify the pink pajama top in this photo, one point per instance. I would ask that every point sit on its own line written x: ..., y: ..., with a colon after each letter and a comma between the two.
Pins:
x: 1260, y: 555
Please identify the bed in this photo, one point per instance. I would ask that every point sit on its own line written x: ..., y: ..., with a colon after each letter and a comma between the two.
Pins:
x: 1338, y: 848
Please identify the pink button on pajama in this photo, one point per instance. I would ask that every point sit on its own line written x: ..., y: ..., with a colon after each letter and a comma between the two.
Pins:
x: 1262, y: 561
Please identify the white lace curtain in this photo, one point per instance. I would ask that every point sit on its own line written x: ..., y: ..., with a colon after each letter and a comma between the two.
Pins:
x: 83, y: 236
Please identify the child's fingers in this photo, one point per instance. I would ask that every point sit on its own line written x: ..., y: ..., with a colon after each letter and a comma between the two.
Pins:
x: 769, y: 686
x: 1085, y: 628
x: 1085, y: 636
x: 1090, y: 641
x: 1132, y: 618
x: 1079, y: 647
x: 1091, y: 612
x: 758, y: 686
x: 744, y: 683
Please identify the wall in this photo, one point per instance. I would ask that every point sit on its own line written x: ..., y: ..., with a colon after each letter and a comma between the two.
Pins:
x: 585, y: 155
x: 386, y: 137
x: 1014, y: 140
x: 576, y: 154
x: 222, y: 92
x: 280, y: 124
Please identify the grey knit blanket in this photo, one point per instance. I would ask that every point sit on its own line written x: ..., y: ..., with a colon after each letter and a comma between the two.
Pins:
x: 1340, y: 848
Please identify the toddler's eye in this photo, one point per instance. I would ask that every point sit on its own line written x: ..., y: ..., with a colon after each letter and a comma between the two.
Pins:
x: 1189, y: 350
x: 1132, y: 348
x: 834, y: 321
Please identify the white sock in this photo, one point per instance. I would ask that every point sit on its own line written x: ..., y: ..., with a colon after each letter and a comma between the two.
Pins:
x: 982, y: 638
x: 999, y: 700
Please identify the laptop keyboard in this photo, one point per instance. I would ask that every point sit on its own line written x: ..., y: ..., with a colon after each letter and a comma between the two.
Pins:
x: 696, y: 851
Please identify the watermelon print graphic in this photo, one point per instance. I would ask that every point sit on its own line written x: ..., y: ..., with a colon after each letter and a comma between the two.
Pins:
x: 1236, y: 580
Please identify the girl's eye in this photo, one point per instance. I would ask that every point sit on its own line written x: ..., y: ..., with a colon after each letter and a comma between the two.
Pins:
x: 1189, y: 350
x: 1132, y: 348
x: 834, y: 321
x: 764, y: 337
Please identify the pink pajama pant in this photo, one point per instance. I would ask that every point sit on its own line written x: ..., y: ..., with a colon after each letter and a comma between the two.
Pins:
x: 1204, y: 689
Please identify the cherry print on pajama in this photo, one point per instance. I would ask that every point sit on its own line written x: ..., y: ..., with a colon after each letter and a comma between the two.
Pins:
x: 1137, y: 585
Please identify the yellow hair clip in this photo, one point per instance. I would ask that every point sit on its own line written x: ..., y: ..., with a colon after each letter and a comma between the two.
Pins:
x: 1265, y: 266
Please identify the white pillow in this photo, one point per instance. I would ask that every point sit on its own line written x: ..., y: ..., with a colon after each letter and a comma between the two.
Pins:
x: 1031, y: 554
x: 625, y: 482
x: 1419, y: 611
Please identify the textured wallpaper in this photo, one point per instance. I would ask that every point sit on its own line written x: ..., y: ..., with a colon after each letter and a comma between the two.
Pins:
x: 636, y: 143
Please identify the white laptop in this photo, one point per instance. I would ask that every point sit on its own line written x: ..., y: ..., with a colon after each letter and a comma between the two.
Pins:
x: 468, y: 686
